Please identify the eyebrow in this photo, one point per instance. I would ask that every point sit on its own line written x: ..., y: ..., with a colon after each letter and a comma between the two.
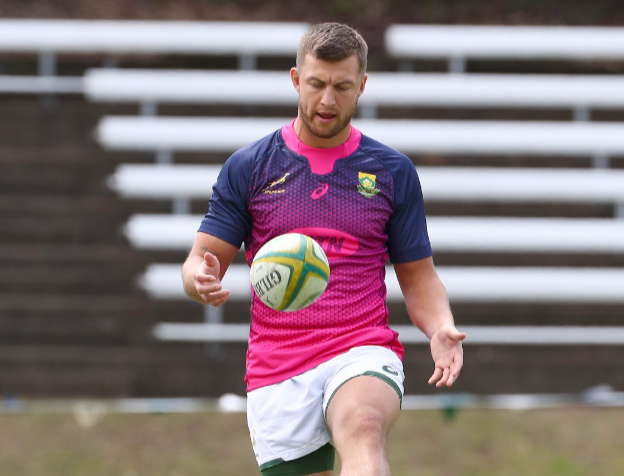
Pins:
x: 314, y: 78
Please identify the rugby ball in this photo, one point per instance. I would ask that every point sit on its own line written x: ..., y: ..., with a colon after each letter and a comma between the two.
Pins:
x: 290, y: 272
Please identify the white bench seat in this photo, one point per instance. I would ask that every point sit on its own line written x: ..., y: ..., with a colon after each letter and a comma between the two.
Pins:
x: 190, y: 87
x: 460, y: 234
x: 477, y: 335
x: 245, y: 40
x: 151, y: 37
x: 383, y: 89
x: 466, y: 285
x: 481, y: 184
x: 461, y: 42
x: 227, y: 134
x: 40, y: 85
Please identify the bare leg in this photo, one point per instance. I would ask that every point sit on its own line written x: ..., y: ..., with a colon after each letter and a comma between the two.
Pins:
x: 359, y: 417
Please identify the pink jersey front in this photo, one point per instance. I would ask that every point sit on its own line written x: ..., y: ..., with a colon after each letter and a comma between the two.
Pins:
x: 361, y: 202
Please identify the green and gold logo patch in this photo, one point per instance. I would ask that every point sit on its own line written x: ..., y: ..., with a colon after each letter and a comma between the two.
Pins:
x: 367, y: 185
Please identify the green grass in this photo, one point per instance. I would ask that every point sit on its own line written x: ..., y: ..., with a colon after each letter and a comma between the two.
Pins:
x: 570, y: 442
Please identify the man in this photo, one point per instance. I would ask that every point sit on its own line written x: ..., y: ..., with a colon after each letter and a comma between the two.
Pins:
x: 329, y: 375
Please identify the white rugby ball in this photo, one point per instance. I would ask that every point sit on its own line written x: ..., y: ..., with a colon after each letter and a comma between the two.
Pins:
x: 290, y: 272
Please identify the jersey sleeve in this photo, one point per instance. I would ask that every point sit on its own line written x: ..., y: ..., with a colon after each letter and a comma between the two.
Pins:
x: 408, y: 239
x: 227, y: 217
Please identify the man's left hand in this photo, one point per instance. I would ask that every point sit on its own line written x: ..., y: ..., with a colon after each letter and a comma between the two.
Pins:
x: 448, y: 355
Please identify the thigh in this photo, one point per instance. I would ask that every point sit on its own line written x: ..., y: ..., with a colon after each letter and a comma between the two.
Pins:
x: 373, y: 361
x: 360, y: 400
x: 369, y: 379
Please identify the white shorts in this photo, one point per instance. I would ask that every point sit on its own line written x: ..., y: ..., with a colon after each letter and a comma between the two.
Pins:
x: 287, y: 420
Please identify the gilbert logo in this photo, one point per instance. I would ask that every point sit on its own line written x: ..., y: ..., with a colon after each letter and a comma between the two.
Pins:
x: 319, y: 191
x: 268, y: 282
x: 271, y: 188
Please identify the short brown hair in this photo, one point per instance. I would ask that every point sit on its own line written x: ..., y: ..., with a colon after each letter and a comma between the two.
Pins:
x: 333, y: 42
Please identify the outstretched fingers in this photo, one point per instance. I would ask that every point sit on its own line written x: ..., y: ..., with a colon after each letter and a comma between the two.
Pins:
x: 437, y: 374
x: 444, y: 377
x: 448, y: 358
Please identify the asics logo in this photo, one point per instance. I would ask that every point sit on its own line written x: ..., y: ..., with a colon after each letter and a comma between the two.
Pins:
x: 319, y: 191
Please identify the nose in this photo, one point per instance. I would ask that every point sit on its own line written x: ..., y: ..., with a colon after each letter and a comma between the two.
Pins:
x: 328, y: 98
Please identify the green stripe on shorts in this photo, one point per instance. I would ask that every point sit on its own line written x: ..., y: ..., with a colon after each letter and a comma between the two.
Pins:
x: 371, y: 373
x: 318, y: 461
x: 389, y: 381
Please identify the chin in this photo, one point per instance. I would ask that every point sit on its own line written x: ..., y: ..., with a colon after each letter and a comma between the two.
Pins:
x: 328, y: 131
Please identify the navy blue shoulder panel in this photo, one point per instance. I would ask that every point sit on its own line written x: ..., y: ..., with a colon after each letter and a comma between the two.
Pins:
x: 228, y: 217
x: 408, y: 239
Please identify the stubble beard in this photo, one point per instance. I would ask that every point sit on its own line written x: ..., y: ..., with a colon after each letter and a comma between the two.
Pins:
x: 342, y: 121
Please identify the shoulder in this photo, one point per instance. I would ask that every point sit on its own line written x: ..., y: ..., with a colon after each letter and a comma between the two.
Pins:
x: 398, y: 165
x: 248, y: 157
x: 237, y: 172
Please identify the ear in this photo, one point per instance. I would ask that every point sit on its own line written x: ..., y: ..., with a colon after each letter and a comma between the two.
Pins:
x: 294, y: 77
x: 363, y: 84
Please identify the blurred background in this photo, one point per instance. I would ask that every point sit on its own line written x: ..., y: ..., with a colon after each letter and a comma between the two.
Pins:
x: 104, y: 178
x: 115, y: 119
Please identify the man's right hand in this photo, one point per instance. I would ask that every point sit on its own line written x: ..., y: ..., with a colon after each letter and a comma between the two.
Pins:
x: 207, y: 282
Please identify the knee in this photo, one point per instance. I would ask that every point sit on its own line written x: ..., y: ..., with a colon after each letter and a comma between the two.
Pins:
x: 364, y: 423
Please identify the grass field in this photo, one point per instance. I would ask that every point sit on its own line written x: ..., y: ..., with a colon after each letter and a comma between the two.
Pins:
x: 566, y: 442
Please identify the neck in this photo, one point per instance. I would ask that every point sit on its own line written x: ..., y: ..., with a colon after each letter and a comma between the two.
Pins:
x: 321, y: 160
x: 306, y: 136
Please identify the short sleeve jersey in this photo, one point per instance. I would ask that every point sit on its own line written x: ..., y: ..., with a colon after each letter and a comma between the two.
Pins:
x: 361, y: 201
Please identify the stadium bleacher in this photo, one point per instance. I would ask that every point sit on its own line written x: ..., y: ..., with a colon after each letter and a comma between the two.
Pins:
x: 227, y: 134
x: 185, y: 182
x: 457, y: 234
x: 464, y: 284
x: 88, y: 332
x: 246, y: 40
x: 459, y: 43
x: 136, y: 291
x: 580, y: 93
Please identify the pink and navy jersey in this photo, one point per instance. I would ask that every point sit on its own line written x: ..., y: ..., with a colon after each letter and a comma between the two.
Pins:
x: 361, y: 201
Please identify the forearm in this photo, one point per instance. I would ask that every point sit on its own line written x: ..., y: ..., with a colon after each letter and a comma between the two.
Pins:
x: 428, y: 307
x: 188, y: 277
x: 425, y: 296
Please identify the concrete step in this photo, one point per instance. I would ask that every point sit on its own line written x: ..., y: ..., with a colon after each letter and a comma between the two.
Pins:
x: 22, y: 254
x: 199, y: 370
x: 62, y: 122
x: 561, y: 314
x: 522, y: 369
x: 49, y: 229
x: 83, y: 179
x: 105, y: 279
x: 106, y: 329
x: 31, y: 303
x: 139, y: 371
